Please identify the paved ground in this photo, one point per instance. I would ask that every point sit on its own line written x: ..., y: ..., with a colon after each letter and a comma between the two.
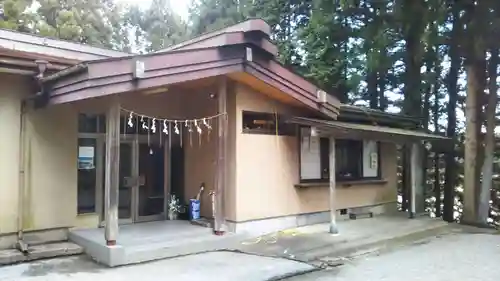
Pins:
x: 311, y: 242
x: 463, y: 255
x: 451, y: 257
x: 218, y: 266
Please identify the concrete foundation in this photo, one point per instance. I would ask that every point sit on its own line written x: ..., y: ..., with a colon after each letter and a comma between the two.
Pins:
x: 37, y: 252
x: 151, y: 241
x: 268, y: 225
x: 38, y: 237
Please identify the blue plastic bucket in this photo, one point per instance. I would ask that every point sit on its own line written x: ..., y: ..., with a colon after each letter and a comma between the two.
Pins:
x: 194, y: 209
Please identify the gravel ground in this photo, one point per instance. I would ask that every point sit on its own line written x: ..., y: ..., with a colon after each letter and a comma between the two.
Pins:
x: 452, y: 257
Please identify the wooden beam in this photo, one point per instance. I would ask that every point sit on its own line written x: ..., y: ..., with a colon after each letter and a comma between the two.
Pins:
x: 112, y: 178
x: 333, y: 204
x: 222, y: 127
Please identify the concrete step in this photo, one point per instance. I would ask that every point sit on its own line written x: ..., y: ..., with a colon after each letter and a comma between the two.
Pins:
x: 36, y: 252
x: 189, y: 246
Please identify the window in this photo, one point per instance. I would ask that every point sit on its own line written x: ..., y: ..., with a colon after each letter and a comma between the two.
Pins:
x: 86, y: 175
x: 265, y: 123
x: 354, y: 159
x: 91, y: 123
x: 348, y: 159
x: 96, y: 123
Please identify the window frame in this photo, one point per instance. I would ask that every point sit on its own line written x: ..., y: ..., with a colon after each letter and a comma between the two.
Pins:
x: 90, y: 174
x: 284, y: 129
x: 324, y: 157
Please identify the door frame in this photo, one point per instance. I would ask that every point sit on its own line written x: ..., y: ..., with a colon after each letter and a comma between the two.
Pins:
x: 136, y: 198
x: 130, y: 220
x: 134, y: 141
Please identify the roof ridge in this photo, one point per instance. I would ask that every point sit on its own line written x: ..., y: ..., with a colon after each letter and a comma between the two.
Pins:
x: 252, y: 25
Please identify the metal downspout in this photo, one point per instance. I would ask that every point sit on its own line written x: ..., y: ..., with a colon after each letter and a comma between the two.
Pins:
x: 21, y: 245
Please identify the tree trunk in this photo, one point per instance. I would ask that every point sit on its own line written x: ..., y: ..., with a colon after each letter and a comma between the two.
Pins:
x: 475, y: 69
x: 412, y: 102
x: 371, y: 80
x: 437, y: 183
x: 450, y: 175
x: 470, y: 162
x: 383, y: 102
x: 489, y: 150
x: 413, y: 31
x: 429, y: 61
x: 381, y: 13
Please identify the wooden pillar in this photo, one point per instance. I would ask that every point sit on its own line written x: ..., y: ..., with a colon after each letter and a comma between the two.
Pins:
x: 417, y: 188
x: 222, y: 127
x: 333, y: 204
x: 111, y: 177
x: 406, y: 177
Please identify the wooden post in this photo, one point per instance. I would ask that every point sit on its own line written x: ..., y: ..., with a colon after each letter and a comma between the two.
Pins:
x: 112, y: 177
x: 222, y: 127
x: 417, y: 197
x: 333, y: 205
x: 168, y: 173
x: 406, y: 178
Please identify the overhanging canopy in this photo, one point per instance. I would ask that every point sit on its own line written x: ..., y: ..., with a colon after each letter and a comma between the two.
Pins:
x: 361, y: 131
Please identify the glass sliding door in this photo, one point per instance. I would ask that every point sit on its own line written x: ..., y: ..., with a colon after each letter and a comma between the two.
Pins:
x: 87, y: 176
x: 141, y: 171
x: 127, y: 182
x: 151, y: 189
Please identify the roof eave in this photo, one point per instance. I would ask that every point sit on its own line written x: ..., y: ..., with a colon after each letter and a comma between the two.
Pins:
x: 380, y: 133
x: 352, y: 113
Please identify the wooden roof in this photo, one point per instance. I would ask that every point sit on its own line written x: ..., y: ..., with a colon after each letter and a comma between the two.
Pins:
x: 362, y: 131
x: 244, y: 51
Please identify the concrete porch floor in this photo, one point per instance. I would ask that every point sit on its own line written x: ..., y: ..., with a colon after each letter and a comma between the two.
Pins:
x: 143, y: 242
x: 151, y: 241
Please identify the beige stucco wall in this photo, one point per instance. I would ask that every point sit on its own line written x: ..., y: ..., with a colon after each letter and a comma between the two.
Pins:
x: 10, y: 104
x: 267, y: 168
x: 51, y: 182
x: 50, y: 159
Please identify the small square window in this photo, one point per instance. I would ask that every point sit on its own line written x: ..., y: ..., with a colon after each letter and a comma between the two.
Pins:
x: 266, y: 124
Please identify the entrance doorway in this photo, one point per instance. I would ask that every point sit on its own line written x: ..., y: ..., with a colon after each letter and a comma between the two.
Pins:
x: 142, y: 181
x: 142, y: 185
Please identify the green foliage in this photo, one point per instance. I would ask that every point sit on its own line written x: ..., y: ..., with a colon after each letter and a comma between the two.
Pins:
x: 287, y: 19
x: 13, y: 14
x: 158, y: 26
x: 84, y: 21
x: 209, y: 15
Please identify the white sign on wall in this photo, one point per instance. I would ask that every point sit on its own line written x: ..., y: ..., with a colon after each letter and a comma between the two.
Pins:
x: 86, y: 156
x: 370, y: 159
x: 310, y: 164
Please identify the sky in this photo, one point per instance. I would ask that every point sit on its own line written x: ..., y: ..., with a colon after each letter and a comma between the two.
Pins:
x: 180, y: 6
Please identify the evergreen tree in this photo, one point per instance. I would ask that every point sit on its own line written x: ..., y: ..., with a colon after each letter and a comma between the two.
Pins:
x: 160, y: 26
x: 13, y: 15
x: 210, y: 15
